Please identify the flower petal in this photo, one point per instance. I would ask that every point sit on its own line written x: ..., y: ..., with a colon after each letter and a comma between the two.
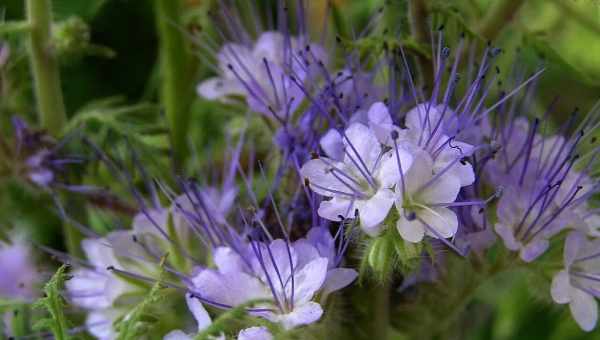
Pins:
x: 308, y: 280
x: 374, y: 210
x: 255, y: 333
x: 227, y: 260
x: 507, y: 235
x: 177, y: 335
x: 231, y: 288
x: 389, y: 171
x: 411, y: 231
x: 323, y: 181
x: 100, y: 323
x: 534, y: 249
x: 219, y: 88
x: 333, y: 145
x: 443, y: 220
x: 338, y: 278
x: 336, y: 209
x: 443, y: 190
x: 573, y: 245
x: 301, y: 315
x: 198, y: 311
x: 561, y: 287
x: 362, y: 146
x: 584, y: 309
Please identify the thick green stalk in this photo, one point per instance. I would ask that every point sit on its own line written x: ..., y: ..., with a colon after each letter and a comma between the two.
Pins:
x: 44, y: 65
x: 496, y: 19
x: 418, y: 12
x: 175, y: 79
x: 381, y: 312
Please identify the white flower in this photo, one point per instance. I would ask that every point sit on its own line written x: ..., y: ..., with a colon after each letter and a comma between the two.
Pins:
x: 362, y: 181
x: 426, y: 129
x: 420, y: 201
x: 579, y: 282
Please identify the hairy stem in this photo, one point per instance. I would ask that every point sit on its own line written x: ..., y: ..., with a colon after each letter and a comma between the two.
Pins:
x: 501, y: 13
x: 381, y: 311
x: 44, y: 65
x: 175, y: 83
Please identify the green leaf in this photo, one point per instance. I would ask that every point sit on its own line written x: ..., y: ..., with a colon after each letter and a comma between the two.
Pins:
x: 54, y: 303
x: 142, y: 317
x: 542, y: 45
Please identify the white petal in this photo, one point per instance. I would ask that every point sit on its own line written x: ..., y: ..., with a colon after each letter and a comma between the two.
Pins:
x: 323, y: 181
x: 420, y: 171
x: 269, y: 45
x: 87, y: 289
x: 305, y: 252
x: 198, y: 311
x: 584, y: 309
x: 219, y: 88
x: 99, y: 253
x: 443, y: 190
x: 561, y: 287
x: 232, y: 289
x: 389, y: 171
x: 336, y: 209
x: 177, y: 335
x: 464, y: 172
x: 301, y: 315
x: 227, y: 260
x: 443, y: 220
x: 412, y: 231
x: 309, y: 280
x: 380, y: 122
x: 338, y: 278
x: 374, y: 210
x: 423, y: 116
x: 100, y: 323
x: 362, y: 146
x: 333, y: 145
x: 255, y: 333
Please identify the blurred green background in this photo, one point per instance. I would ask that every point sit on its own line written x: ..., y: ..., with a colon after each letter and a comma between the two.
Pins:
x: 120, y: 62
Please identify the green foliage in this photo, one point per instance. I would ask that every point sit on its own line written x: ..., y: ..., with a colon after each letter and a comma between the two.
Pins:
x: 142, y: 319
x: 54, y: 303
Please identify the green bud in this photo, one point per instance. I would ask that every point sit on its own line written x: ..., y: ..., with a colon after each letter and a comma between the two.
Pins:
x: 408, y: 253
x: 380, y: 256
x: 71, y: 40
x: 71, y: 37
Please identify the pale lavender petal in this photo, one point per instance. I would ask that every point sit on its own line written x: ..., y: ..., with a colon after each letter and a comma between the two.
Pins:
x: 199, y: 312
x: 561, y: 287
x: 255, y: 333
x: 584, y: 309
x: 309, y: 280
x: 338, y: 278
x: 533, y: 250
x: 443, y: 220
x: 336, y: 209
x: 573, y: 245
x: 411, y: 231
x: 333, y: 145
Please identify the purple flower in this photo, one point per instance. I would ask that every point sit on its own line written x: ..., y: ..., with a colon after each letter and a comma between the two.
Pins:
x: 18, y: 275
x: 288, y: 274
x: 262, y: 73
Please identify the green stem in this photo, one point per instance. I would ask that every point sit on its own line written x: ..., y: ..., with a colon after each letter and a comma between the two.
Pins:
x: 417, y: 18
x: 501, y: 13
x: 176, y: 92
x: 44, y: 65
x: 381, y: 312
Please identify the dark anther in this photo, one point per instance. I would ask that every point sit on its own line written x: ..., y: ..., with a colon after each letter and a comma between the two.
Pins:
x: 411, y: 216
x: 338, y: 39
x: 394, y: 134
x: 307, y: 48
x: 229, y: 66
x: 593, y: 140
x: 480, y: 211
x: 110, y: 268
x: 134, y: 238
x: 445, y: 52
x: 463, y: 161
x: 497, y: 69
x: 441, y: 28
